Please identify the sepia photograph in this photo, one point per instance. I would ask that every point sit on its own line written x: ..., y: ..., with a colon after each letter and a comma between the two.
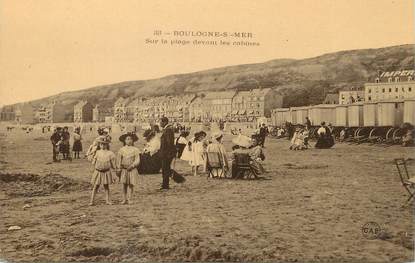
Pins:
x: 207, y: 131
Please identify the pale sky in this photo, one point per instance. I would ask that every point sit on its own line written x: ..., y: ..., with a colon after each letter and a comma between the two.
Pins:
x: 51, y: 46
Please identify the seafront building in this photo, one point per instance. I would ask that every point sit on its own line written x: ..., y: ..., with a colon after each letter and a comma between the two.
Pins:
x: 391, y: 85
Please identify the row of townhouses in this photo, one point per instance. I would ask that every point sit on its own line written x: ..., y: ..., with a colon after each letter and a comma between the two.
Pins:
x: 209, y: 106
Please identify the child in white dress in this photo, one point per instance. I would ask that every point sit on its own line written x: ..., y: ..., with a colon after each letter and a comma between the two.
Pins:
x: 103, y: 161
x: 128, y: 159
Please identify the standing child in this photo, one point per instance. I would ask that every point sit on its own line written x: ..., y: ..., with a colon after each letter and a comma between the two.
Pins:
x: 77, y: 144
x: 103, y: 161
x: 198, y: 152
x: 128, y: 159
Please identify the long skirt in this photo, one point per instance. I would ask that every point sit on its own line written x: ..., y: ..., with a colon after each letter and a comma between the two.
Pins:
x: 101, y: 178
x: 77, y: 146
x: 129, y: 177
x: 257, y: 167
x: 325, y: 142
x: 149, y: 164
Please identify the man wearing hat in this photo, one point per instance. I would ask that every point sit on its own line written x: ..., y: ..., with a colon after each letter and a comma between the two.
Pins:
x: 167, y: 151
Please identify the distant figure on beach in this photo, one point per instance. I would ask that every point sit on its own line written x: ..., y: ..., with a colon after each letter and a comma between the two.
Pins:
x: 64, y: 146
x: 263, y: 133
x: 55, y: 139
x: 324, y: 137
x: 307, y: 123
x: 77, y: 144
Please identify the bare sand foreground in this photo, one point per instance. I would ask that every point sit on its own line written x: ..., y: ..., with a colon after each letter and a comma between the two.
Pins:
x: 310, y: 206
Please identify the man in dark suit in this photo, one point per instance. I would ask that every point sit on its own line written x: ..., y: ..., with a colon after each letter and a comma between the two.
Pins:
x: 263, y: 132
x: 167, y: 151
x: 55, y: 138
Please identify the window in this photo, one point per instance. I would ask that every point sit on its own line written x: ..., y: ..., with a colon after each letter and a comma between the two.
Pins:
x: 389, y: 79
x: 369, y: 91
x: 409, y: 89
x: 377, y: 80
x: 403, y: 89
x: 390, y: 89
x: 383, y: 90
x: 396, y: 89
x: 369, y: 98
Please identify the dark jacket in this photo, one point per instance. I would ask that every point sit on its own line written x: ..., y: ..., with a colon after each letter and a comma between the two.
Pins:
x: 167, y: 145
x: 55, y: 138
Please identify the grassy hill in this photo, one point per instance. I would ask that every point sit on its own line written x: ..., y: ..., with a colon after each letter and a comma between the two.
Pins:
x: 302, y: 82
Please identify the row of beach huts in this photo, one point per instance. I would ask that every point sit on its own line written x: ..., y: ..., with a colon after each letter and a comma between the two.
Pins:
x: 382, y: 120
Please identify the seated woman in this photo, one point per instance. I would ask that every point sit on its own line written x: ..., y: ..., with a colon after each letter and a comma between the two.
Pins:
x: 325, y: 139
x: 257, y: 157
x: 242, y: 150
x: 150, y: 160
x: 299, y: 140
x: 408, y: 137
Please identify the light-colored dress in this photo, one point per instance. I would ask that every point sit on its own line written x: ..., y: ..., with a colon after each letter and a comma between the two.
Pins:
x: 220, y: 152
x: 103, y: 162
x: 187, y: 154
x: 128, y: 156
x: 256, y: 163
x: 198, y: 154
x: 153, y: 145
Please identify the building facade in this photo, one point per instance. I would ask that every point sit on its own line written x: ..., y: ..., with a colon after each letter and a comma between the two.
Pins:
x: 351, y: 96
x: 7, y: 113
x: 218, y: 105
x: 25, y: 114
x: 98, y: 114
x: 255, y: 103
x: 391, y: 85
x: 331, y: 98
x: 53, y: 113
x: 120, y: 110
x: 83, y: 112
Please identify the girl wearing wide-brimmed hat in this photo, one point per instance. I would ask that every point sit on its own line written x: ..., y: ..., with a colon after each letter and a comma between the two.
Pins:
x: 198, y: 151
x: 103, y: 161
x: 128, y: 159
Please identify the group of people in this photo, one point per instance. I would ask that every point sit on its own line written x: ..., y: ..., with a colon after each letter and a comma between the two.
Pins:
x: 199, y: 151
x: 126, y: 163
x: 162, y: 149
x: 60, y: 144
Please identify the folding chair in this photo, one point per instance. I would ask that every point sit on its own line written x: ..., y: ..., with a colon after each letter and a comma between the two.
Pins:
x: 214, y: 165
x: 243, y: 166
x: 407, y: 182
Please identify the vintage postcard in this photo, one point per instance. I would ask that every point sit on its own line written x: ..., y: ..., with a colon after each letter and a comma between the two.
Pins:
x: 207, y: 131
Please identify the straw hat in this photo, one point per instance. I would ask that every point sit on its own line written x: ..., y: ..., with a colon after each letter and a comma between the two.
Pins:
x: 103, y: 139
x: 217, y: 135
x: 242, y: 140
x: 128, y: 134
x: 200, y: 133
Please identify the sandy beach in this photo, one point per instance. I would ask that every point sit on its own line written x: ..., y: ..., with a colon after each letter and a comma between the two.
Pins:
x: 310, y: 206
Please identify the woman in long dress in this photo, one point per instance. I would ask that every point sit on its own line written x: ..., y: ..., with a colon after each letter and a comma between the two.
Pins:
x: 150, y: 162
